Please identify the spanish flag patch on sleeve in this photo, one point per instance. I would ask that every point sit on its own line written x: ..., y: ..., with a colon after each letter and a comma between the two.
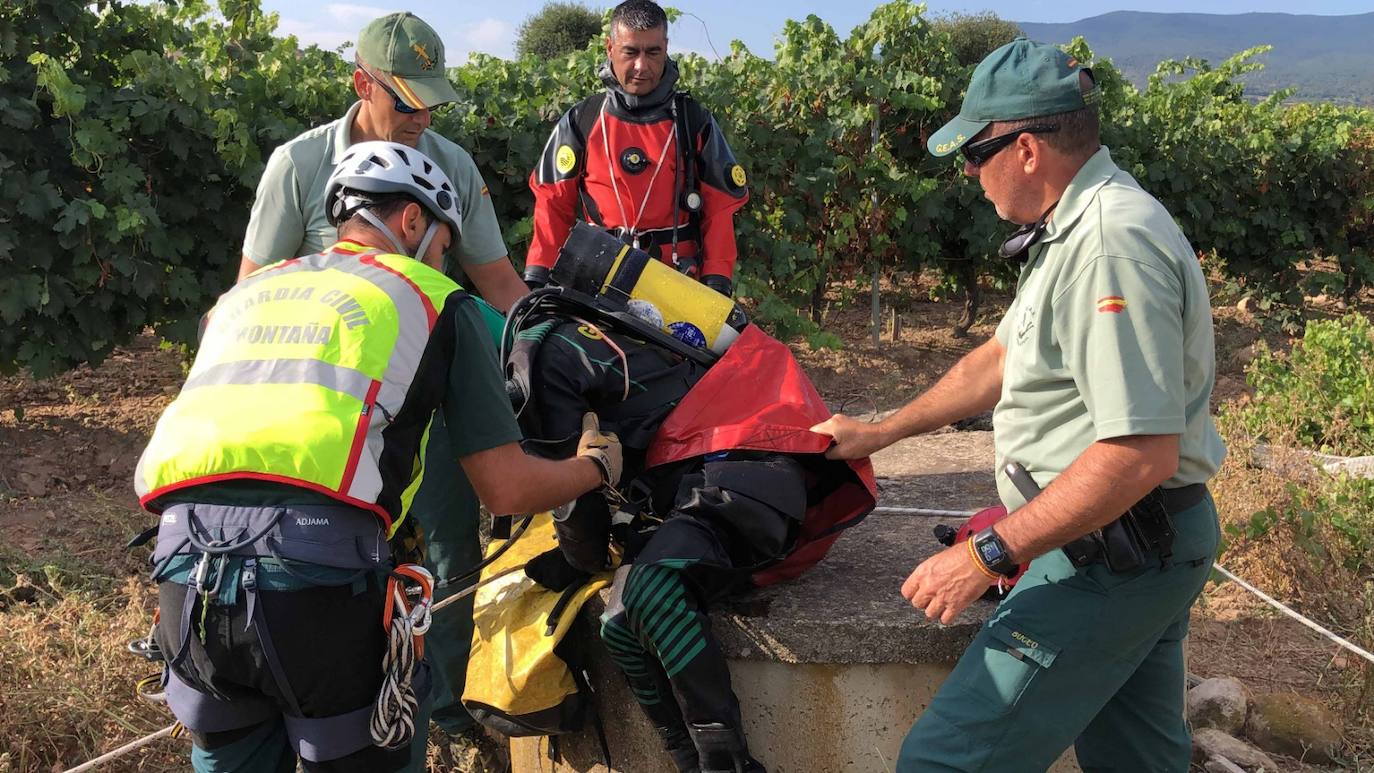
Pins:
x: 1113, y: 304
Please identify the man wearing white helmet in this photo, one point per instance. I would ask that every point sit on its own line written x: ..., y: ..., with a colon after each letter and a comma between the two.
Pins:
x: 285, y: 469
x: 400, y: 78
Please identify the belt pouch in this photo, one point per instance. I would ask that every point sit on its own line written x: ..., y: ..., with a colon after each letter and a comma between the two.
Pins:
x: 1084, y: 550
x: 1120, y: 548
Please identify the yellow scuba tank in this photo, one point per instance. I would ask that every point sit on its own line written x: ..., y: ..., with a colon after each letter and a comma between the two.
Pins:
x: 622, y: 277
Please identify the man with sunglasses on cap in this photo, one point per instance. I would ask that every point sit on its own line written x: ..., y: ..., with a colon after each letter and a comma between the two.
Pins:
x: 400, y: 78
x: 1099, y: 377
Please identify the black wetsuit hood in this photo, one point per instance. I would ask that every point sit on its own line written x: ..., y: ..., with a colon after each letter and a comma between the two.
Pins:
x: 629, y: 102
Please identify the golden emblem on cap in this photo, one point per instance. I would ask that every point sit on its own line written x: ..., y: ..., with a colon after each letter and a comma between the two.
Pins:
x: 737, y: 176
x: 425, y: 62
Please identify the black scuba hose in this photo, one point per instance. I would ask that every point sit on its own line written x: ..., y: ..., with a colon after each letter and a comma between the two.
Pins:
x: 484, y: 563
x: 517, y: 312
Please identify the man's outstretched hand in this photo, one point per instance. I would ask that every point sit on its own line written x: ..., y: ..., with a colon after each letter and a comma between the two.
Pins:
x: 853, y: 439
x: 945, y: 584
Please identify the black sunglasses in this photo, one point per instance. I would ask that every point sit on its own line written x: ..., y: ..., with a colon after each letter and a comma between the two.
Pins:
x: 1017, y: 246
x: 978, y: 153
x: 401, y: 106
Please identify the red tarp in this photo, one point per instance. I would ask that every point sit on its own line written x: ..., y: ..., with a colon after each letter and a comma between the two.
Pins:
x: 758, y: 398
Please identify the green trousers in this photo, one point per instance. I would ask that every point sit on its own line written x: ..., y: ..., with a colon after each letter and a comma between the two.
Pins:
x: 446, y: 507
x: 1075, y: 656
x: 265, y: 748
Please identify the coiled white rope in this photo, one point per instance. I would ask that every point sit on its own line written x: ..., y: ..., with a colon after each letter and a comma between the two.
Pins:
x: 393, y: 715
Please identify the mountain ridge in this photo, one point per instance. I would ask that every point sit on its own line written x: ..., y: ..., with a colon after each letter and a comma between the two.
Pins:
x: 1325, y: 58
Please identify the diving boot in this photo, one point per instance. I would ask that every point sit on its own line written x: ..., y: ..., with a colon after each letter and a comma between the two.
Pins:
x: 721, y: 749
x: 679, y: 746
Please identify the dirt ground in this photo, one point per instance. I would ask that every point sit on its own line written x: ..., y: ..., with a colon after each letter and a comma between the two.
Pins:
x: 70, y: 594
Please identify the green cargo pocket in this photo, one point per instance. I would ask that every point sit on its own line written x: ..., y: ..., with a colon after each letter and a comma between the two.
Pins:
x: 1012, y: 659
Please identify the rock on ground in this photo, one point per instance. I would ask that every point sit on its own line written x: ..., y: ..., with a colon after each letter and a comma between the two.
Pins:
x: 1218, y: 703
x: 1293, y: 725
x: 1209, y: 742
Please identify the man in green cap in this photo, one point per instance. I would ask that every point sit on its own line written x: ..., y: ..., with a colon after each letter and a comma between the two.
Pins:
x: 1099, y: 377
x: 399, y: 79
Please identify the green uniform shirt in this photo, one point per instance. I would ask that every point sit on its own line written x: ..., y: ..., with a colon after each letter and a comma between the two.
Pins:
x: 288, y: 213
x: 1110, y: 335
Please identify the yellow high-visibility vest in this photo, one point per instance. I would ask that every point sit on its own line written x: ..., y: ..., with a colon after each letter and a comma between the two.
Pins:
x: 304, y: 365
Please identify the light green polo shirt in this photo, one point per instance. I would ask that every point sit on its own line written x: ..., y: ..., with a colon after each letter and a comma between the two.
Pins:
x: 289, y: 220
x: 1110, y: 335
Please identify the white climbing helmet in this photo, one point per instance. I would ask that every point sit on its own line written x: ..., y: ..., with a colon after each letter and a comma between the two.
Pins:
x: 379, y: 167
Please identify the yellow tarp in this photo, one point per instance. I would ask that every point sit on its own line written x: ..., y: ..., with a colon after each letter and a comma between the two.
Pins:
x: 513, y: 672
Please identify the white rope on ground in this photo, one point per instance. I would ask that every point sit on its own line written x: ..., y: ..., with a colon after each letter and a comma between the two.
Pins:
x: 123, y: 750
x: 1271, y: 601
x: 924, y: 511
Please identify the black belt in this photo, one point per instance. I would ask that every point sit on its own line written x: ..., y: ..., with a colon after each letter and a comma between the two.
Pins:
x: 657, y: 237
x: 1176, y: 500
x: 1146, y: 527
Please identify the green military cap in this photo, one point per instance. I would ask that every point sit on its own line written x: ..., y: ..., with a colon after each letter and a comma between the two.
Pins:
x: 1022, y: 79
x: 409, y: 54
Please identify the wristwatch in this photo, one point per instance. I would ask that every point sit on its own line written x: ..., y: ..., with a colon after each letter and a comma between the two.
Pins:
x: 992, y: 551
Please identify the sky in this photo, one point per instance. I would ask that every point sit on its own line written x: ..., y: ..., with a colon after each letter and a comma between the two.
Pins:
x: 467, y: 26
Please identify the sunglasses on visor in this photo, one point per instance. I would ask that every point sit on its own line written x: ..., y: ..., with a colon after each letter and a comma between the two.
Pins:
x: 400, y: 106
x: 978, y: 153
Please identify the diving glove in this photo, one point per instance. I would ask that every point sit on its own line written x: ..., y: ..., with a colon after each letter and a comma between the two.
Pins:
x: 601, y: 447
x: 536, y: 277
x: 719, y: 283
